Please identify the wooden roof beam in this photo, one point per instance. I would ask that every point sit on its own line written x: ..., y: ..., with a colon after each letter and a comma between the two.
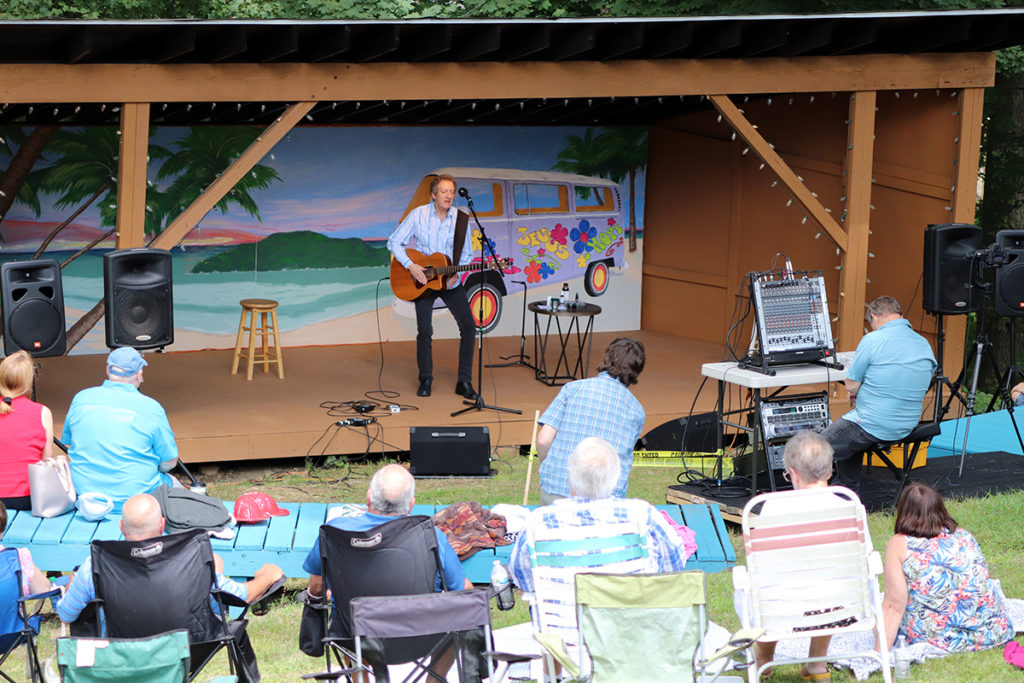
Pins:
x: 299, y: 82
x: 815, y: 210
x: 204, y: 203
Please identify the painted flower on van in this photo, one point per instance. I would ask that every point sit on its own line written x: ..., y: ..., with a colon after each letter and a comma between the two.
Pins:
x: 546, y: 270
x: 582, y: 259
x: 477, y: 242
x: 582, y: 236
x: 532, y: 271
x: 559, y: 234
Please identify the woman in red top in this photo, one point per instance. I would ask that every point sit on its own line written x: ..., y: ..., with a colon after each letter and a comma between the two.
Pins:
x: 26, y: 430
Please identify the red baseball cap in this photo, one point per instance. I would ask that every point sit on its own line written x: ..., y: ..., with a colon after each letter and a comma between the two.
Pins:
x: 256, y: 506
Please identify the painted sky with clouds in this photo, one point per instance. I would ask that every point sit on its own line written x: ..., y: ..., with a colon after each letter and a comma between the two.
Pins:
x: 357, y: 181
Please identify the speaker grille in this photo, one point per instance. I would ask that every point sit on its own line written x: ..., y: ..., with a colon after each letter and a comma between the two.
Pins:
x: 140, y: 314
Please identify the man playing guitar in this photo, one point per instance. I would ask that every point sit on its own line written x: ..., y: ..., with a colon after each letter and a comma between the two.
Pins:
x: 432, y: 226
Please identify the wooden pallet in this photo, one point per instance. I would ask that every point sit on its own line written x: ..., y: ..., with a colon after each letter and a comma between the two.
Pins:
x: 62, y: 543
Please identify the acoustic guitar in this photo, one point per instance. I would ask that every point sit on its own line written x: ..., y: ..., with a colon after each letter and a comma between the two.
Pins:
x: 437, y: 268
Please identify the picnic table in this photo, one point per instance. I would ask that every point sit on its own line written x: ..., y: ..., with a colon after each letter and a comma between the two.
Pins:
x: 62, y: 543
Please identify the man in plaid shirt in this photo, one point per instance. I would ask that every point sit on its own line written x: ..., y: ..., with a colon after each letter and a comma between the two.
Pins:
x: 599, y: 406
x: 593, y: 469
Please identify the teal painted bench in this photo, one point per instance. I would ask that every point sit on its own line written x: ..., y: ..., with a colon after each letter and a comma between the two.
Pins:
x: 62, y: 543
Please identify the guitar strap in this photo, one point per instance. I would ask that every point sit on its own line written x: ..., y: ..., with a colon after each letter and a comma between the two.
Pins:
x: 461, y: 223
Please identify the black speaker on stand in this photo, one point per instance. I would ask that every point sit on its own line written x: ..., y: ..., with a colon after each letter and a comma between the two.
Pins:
x: 33, y: 301
x: 949, y: 267
x: 1009, y: 291
x: 138, y: 296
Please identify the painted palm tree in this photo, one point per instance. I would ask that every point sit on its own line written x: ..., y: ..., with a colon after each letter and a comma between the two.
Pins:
x: 617, y: 154
x: 581, y: 154
x: 85, y: 171
x: 625, y: 153
x: 202, y: 155
x: 16, y: 183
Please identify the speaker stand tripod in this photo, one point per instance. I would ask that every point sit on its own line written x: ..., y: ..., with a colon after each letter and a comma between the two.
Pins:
x: 982, y: 347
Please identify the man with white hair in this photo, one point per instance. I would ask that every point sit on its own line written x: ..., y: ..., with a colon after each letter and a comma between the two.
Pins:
x: 392, y: 493
x: 119, y: 440
x: 593, y: 475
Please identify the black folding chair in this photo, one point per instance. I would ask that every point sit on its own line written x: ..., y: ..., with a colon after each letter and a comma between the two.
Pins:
x: 460, y: 619
x: 149, y: 587
x: 398, y: 557
x: 18, y: 626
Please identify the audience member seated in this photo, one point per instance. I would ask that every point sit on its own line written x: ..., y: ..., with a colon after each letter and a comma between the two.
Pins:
x: 391, y: 494
x: 119, y: 440
x: 594, y: 470
x: 140, y: 521
x: 32, y: 580
x: 808, y: 462
x: 937, y: 586
x: 26, y: 430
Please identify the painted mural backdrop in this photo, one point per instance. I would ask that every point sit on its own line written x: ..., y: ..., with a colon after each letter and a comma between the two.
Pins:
x: 308, y: 225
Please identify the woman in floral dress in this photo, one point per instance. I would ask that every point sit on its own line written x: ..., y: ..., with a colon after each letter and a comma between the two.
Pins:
x: 937, y: 585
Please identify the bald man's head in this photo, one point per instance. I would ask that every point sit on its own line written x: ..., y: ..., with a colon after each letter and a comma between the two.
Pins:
x: 392, y: 491
x: 141, y: 518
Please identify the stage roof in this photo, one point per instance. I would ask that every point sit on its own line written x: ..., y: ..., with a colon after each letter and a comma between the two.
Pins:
x: 176, y: 42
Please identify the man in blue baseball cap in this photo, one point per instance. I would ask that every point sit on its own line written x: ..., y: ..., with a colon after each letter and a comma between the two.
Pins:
x: 118, y: 439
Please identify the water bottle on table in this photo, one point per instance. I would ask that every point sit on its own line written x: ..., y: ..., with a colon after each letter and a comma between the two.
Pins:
x: 502, y: 587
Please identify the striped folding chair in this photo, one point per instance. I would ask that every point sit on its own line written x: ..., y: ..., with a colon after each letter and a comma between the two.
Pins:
x: 811, y: 571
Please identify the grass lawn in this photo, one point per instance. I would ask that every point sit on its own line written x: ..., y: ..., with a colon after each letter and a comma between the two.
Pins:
x: 995, y: 521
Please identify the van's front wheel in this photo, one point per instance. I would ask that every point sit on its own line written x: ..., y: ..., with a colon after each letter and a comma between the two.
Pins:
x: 595, y: 281
x: 487, y: 294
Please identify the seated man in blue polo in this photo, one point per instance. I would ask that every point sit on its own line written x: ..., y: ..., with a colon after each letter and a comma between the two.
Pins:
x: 119, y: 440
x: 392, y: 493
x: 890, y: 374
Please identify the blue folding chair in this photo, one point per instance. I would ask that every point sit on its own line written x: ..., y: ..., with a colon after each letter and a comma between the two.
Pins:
x: 18, y: 626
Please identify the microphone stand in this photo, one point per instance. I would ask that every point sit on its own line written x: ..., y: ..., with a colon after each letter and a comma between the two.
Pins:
x: 479, y: 404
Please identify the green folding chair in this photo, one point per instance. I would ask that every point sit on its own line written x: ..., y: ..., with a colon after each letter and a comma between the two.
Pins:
x: 157, y: 659
x: 650, y: 627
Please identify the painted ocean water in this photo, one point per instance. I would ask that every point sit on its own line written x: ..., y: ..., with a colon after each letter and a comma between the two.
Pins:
x: 208, y: 302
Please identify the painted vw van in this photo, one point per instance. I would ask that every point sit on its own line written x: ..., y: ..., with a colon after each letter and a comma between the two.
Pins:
x: 556, y: 227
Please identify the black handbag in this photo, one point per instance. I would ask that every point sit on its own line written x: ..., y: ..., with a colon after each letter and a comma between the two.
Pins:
x: 313, y: 624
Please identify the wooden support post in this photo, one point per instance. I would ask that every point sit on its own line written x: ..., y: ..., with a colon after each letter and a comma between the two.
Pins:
x: 815, y: 210
x: 860, y: 153
x: 965, y: 198
x: 131, y: 172
x: 195, y: 211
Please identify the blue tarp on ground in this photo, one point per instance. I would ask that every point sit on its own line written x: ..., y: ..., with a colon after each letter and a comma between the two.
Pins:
x: 988, y: 432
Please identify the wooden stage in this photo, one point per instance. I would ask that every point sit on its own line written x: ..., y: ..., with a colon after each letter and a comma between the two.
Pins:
x: 217, y: 416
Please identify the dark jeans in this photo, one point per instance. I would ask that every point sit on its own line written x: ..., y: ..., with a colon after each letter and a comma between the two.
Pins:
x: 849, y: 441
x: 23, y: 503
x: 458, y: 304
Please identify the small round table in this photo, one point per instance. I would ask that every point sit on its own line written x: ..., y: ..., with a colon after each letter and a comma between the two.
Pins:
x: 563, y: 371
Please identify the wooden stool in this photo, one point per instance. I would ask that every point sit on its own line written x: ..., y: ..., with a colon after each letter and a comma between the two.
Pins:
x: 265, y: 355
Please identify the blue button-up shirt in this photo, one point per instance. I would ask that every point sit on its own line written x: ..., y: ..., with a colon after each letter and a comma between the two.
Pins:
x: 430, y: 234
x: 598, y: 406
x: 894, y: 366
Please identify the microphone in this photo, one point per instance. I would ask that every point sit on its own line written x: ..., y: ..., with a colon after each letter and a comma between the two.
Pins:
x: 463, y: 192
